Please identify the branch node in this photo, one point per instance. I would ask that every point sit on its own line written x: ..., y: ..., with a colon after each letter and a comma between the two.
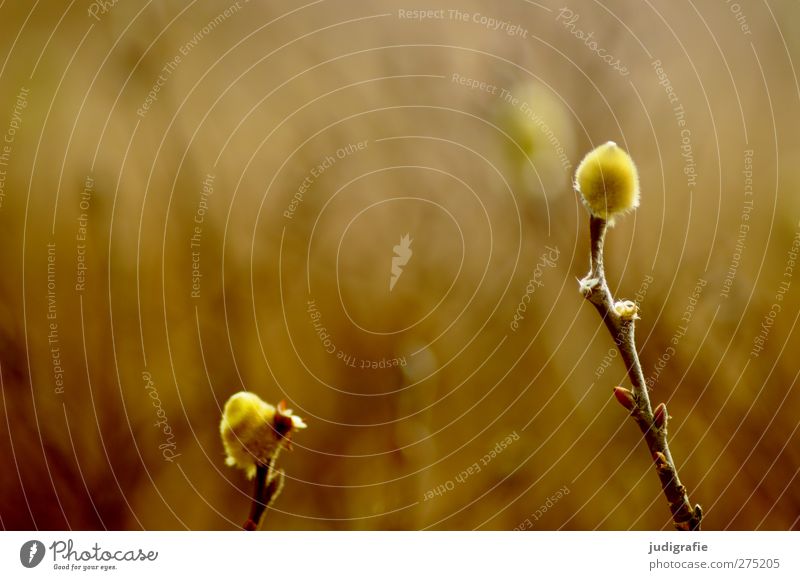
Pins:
x: 588, y: 285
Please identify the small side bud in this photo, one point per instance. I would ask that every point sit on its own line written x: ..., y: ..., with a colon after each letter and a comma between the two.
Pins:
x: 627, y: 310
x: 250, y: 525
x: 608, y: 181
x: 625, y: 398
x: 660, y: 416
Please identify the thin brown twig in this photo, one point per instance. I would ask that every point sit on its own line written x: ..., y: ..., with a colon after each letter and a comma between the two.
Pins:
x: 619, y: 318
x: 264, y: 493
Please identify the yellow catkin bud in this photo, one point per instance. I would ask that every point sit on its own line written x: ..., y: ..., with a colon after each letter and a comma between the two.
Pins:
x: 254, y: 431
x: 608, y: 181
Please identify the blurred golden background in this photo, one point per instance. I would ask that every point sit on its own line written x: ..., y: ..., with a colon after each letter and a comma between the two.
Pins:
x: 199, y: 198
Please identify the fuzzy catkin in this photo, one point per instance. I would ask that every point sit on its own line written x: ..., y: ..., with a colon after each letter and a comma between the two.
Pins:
x: 253, y: 431
x: 608, y: 181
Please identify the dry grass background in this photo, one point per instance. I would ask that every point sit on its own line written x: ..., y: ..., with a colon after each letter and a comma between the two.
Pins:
x: 258, y: 105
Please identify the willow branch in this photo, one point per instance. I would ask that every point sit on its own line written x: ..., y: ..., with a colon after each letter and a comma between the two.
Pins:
x: 268, y: 485
x: 619, y: 318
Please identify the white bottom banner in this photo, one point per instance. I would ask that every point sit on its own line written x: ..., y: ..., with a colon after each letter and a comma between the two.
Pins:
x: 353, y: 555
